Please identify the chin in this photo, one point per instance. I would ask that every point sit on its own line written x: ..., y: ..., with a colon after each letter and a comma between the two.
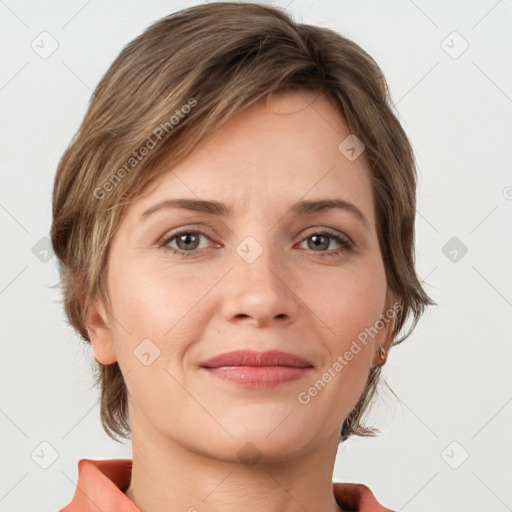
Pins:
x: 263, y: 442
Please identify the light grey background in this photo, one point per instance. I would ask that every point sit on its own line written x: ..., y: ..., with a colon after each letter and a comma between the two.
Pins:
x: 452, y: 376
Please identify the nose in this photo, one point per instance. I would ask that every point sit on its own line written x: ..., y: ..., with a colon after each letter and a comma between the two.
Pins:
x: 260, y: 292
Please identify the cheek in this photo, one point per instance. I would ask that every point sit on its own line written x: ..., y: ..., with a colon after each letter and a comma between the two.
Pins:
x: 142, y: 295
x: 350, y: 309
x: 156, y: 303
x: 157, y: 315
x: 352, y: 301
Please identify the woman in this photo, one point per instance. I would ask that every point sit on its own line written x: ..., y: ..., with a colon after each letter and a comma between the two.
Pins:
x: 234, y: 222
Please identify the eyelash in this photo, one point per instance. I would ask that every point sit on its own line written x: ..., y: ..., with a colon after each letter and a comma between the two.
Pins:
x: 345, y: 243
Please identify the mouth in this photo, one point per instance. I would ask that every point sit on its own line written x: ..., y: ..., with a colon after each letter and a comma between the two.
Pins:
x: 254, y: 358
x: 258, y: 369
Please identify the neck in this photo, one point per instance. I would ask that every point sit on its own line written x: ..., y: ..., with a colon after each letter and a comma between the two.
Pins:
x: 167, y: 476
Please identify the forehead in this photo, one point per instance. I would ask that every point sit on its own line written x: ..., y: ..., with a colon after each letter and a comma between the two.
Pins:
x: 285, y: 148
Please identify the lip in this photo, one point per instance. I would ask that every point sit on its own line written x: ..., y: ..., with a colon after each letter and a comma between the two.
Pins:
x: 249, y: 368
x: 254, y: 358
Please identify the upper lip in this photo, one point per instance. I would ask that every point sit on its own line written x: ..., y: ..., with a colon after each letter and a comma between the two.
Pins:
x: 254, y: 358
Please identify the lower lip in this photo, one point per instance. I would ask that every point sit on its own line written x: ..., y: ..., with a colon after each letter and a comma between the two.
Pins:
x: 259, y: 376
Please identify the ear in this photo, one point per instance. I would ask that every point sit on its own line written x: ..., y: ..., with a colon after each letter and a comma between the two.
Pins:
x: 99, y: 333
x: 384, y: 339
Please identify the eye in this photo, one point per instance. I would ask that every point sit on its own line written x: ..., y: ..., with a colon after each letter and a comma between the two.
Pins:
x: 187, y: 242
x: 322, y: 239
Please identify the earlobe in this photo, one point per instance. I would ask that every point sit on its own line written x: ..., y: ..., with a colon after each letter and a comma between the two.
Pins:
x: 380, y: 355
x: 100, y: 334
x: 384, y: 342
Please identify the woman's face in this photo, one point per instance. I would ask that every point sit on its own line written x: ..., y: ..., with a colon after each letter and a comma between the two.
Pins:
x: 266, y: 276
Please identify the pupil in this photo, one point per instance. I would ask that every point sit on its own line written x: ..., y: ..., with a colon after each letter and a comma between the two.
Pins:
x: 319, y: 239
x: 186, y: 238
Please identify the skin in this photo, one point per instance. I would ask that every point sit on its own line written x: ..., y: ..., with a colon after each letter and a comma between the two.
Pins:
x: 187, y: 426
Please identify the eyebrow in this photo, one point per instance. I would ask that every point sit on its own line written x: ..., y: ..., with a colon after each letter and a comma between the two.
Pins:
x: 304, y: 207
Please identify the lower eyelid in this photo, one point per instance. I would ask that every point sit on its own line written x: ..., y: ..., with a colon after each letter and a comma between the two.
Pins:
x: 345, y: 244
x: 172, y: 238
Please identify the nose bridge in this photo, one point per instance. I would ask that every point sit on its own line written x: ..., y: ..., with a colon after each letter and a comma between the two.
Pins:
x: 259, y: 284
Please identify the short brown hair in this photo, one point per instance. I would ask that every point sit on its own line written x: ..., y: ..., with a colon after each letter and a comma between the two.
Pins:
x: 201, y: 66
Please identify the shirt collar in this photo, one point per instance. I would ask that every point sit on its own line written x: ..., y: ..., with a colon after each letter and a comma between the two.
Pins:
x: 101, y: 485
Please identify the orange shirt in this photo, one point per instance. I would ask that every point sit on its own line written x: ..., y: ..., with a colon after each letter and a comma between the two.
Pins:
x: 101, y: 484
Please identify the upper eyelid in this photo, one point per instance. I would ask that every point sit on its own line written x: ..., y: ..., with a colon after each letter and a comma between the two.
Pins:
x: 170, y: 235
x: 178, y: 231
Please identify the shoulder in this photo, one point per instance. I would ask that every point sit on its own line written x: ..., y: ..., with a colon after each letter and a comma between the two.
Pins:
x: 101, y: 485
x: 357, y: 497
